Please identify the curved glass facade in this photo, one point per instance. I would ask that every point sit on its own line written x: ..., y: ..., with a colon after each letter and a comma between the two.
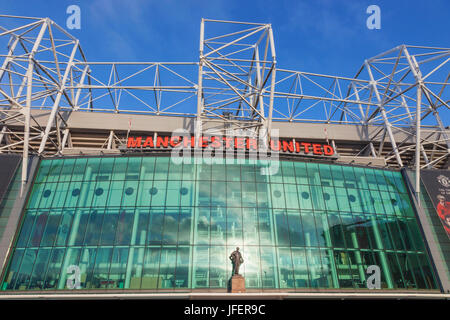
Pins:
x: 145, y: 223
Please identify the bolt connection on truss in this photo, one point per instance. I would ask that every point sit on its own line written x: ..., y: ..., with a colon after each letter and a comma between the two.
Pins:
x: 403, y: 92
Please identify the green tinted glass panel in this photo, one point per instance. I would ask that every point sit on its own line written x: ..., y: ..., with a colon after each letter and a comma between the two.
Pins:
x: 147, y: 223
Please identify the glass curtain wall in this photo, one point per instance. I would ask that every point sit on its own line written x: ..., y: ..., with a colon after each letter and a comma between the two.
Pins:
x: 148, y: 223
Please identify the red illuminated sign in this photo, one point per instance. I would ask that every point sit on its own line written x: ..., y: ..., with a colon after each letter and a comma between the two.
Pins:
x: 243, y: 143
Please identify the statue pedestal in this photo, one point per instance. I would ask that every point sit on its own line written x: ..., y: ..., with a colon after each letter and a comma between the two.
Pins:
x: 237, y: 284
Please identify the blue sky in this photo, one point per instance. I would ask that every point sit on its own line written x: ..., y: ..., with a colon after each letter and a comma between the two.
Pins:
x: 317, y: 36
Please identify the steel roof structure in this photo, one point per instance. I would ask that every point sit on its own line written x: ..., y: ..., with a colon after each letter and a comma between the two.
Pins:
x: 235, y: 82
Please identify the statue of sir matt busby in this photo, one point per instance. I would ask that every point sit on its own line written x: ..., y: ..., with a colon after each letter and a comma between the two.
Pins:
x: 237, y: 260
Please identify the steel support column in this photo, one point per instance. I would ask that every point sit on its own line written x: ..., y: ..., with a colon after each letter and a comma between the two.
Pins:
x: 383, y: 113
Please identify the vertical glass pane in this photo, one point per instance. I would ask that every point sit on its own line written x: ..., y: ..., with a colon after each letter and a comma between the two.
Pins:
x: 60, y: 195
x: 55, y: 170
x: 304, y: 197
x: 54, y: 267
x: 262, y: 195
x: 395, y: 271
x: 173, y: 193
x: 325, y: 175
x: 309, y: 229
x: 288, y: 172
x: 285, y: 268
x: 185, y: 226
x: 144, y: 193
x: 342, y: 199
x: 321, y: 229
x: 268, y: 268
x: 417, y: 271
x: 13, y: 270
x: 251, y: 266
x: 147, y: 168
x: 336, y: 232
x: 155, y: 226
x: 125, y: 226
x: 266, y: 227
x: 250, y: 226
x: 383, y: 233
x: 25, y: 231
x: 427, y: 271
x: 234, y: 227
x: 86, y: 265
x: 300, y: 173
x: 182, y: 269
x: 92, y: 168
x: 407, y: 271
x: 329, y: 275
x: 79, y: 169
x: 51, y: 228
x: 120, y: 168
x: 40, y: 267
x: 200, y: 267
x: 109, y: 227
x: 115, y: 193
x: 36, y: 195
x: 187, y: 193
x: 234, y: 194
x: 360, y: 178
x: 136, y: 259
x: 188, y: 172
x: 130, y: 193
x: 312, y: 170
x: 100, y: 278
x: 281, y: 228
x: 159, y: 193
x: 64, y: 227
x: 118, y: 268
x: 72, y: 195
x: 48, y: 195
x: 330, y: 198
x: 343, y: 268
x: 381, y: 181
x: 349, y: 228
x: 317, y: 198
x: 314, y: 267
x: 277, y: 194
x: 93, y: 227
x: 170, y: 233
x: 161, y: 168
x: 26, y: 267
x: 38, y: 228
x: 150, y: 278
x: 249, y: 194
x: 175, y: 170
x: 44, y: 169
x: 202, y: 234
x: 301, y: 274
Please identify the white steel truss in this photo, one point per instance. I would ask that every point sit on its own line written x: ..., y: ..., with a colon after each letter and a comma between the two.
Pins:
x: 236, y: 81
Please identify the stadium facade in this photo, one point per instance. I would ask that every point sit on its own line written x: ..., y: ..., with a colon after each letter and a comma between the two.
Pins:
x: 109, y: 185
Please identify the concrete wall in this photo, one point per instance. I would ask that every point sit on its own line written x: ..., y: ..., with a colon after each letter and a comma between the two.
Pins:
x: 94, y: 121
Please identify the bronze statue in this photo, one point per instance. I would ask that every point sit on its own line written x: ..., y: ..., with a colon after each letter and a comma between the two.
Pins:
x: 237, y: 260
